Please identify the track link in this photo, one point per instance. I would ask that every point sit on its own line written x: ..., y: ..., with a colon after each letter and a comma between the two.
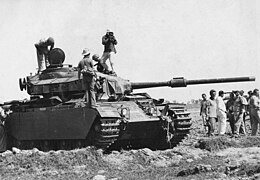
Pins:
x: 107, y: 132
x: 181, y: 122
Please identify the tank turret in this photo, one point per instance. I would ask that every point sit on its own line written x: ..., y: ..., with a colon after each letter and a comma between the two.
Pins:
x: 62, y: 80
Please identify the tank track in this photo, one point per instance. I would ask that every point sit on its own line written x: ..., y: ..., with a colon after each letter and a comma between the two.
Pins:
x: 107, y: 132
x: 181, y: 124
x: 47, y: 145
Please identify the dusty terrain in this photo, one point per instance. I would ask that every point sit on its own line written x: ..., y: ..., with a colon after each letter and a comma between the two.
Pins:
x: 197, y: 157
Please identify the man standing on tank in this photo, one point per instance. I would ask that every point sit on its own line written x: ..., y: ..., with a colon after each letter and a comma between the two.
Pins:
x: 109, y: 41
x: 211, y: 112
x: 43, y: 50
x: 86, y: 68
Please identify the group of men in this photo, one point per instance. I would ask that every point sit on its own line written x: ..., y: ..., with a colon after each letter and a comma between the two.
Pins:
x: 86, y: 65
x: 215, y: 109
x: 44, y: 46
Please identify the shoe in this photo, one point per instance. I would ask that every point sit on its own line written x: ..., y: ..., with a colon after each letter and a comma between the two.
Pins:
x: 94, y: 107
x: 211, y: 134
x: 236, y: 135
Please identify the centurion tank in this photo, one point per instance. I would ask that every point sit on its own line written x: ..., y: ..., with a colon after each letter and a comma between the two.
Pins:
x: 56, y: 116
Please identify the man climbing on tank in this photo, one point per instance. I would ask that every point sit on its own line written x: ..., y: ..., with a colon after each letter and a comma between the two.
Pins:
x: 98, y: 64
x: 86, y: 68
x: 4, y: 112
x: 109, y: 41
x: 43, y: 47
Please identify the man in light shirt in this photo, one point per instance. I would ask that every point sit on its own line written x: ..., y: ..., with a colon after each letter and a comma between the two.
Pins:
x: 254, y: 104
x: 211, y: 112
x: 244, y: 101
x: 221, y: 113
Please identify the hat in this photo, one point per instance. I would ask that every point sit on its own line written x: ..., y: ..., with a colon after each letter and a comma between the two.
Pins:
x: 85, y: 52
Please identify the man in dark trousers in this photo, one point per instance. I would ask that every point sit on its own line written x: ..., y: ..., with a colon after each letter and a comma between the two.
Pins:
x: 255, y: 111
x: 109, y: 41
x: 43, y: 50
x: 3, y: 114
x: 230, y: 111
x: 239, y: 110
x: 203, y: 110
x: 86, y: 68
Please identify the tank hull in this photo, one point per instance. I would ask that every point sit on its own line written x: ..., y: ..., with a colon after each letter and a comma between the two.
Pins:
x: 56, y: 116
x: 72, y: 126
x: 51, y: 123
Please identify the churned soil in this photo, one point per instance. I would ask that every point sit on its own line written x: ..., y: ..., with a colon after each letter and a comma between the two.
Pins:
x: 197, y: 157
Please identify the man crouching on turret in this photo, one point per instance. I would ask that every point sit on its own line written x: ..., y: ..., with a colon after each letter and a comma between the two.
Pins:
x: 43, y: 50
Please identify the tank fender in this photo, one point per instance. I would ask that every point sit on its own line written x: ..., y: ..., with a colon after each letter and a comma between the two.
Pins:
x: 108, y: 111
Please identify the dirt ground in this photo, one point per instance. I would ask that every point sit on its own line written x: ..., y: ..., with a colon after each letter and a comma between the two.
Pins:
x: 197, y: 157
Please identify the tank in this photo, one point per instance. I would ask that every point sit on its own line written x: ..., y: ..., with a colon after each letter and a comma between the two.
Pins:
x: 56, y: 116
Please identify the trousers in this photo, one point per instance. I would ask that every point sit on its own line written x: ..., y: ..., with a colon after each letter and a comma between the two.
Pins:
x: 239, y: 122
x: 105, y: 57
x: 231, y: 121
x: 90, y: 96
x: 2, y: 138
x: 255, y: 115
x: 222, y: 122
x: 211, y: 125
x: 42, y: 60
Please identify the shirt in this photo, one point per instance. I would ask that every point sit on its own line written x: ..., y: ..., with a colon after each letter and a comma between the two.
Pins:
x: 203, y: 106
x: 239, y: 104
x: 109, y: 45
x: 86, y: 62
x: 244, y: 101
x: 2, y: 116
x: 212, y: 108
x: 221, y: 107
x: 254, y: 102
x: 42, y: 46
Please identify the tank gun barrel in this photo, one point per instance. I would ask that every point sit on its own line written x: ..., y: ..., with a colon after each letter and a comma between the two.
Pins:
x: 182, y: 82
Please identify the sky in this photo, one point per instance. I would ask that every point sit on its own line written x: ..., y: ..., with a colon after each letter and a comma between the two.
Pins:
x: 157, y: 40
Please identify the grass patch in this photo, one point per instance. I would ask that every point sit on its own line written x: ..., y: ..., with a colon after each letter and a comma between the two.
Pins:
x: 219, y: 143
